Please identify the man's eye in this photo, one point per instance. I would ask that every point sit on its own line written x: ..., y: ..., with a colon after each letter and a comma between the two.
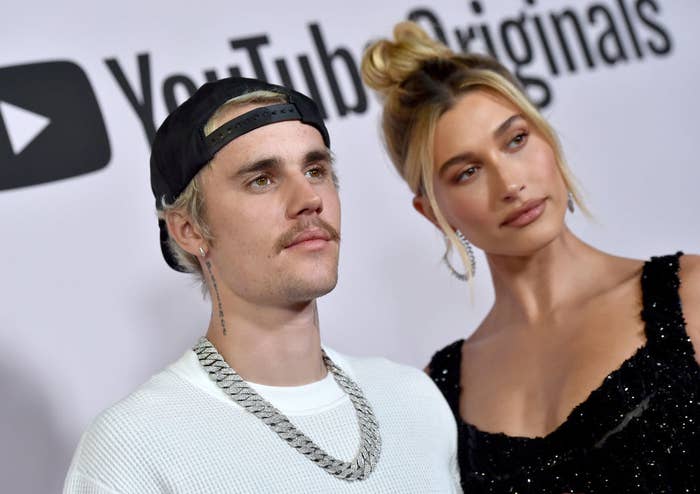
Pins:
x: 316, y: 172
x: 261, y: 181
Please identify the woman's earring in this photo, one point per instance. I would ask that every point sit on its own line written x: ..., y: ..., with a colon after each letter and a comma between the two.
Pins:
x: 202, y: 252
x: 470, y: 254
x: 570, y: 202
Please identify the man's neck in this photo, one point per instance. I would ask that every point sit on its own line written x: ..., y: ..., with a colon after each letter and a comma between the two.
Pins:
x: 275, y: 346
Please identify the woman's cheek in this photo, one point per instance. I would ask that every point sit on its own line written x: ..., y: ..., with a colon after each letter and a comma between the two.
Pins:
x: 542, y: 157
x: 466, y: 210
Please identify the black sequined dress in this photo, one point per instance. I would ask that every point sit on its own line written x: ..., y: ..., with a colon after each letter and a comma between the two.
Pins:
x: 638, y: 432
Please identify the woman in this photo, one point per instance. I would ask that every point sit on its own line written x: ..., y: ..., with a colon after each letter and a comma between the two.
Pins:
x: 563, y: 387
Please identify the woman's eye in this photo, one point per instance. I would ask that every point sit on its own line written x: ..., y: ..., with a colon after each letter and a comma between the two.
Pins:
x: 518, y: 140
x: 466, y: 174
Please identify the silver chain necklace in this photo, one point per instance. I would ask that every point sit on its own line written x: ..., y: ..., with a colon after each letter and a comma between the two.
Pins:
x: 370, y: 441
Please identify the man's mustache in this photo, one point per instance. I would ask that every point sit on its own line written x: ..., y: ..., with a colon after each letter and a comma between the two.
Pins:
x: 288, y: 237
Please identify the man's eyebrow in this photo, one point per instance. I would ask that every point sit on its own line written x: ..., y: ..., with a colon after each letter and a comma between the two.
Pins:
x: 261, y: 165
x: 274, y: 162
x: 318, y: 155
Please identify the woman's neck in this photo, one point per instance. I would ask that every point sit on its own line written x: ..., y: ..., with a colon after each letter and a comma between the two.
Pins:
x: 530, y: 288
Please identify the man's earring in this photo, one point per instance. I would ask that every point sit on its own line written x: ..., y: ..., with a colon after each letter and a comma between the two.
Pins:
x: 202, y: 252
x: 470, y: 254
x: 570, y: 202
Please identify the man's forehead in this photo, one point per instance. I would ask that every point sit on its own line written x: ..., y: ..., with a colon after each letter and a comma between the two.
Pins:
x: 290, y: 141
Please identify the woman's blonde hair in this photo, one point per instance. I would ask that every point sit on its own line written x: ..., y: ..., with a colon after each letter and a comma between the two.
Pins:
x: 191, y: 201
x: 419, y: 79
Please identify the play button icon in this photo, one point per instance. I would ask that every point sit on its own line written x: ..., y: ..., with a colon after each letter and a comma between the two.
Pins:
x: 51, y: 127
x: 22, y: 125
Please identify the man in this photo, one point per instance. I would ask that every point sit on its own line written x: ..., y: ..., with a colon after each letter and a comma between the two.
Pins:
x: 246, y: 195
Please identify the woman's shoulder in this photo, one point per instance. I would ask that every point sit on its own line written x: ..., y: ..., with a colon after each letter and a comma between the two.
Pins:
x: 444, y: 370
x: 445, y: 358
x: 690, y: 266
x: 689, y: 275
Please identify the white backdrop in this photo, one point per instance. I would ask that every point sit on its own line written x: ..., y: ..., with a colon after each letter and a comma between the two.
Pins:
x: 90, y: 310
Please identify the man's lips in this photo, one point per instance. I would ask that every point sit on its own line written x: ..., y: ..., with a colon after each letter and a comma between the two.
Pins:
x: 313, y: 233
x: 525, y: 214
x: 309, y: 235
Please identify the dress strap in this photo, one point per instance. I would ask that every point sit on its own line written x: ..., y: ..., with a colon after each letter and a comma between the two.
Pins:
x: 662, y: 311
x: 445, y: 372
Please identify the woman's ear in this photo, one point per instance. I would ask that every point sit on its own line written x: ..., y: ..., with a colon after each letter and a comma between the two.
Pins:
x: 422, y: 205
x: 184, y: 232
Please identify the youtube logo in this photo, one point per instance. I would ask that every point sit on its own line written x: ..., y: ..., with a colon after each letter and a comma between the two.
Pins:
x: 51, y: 126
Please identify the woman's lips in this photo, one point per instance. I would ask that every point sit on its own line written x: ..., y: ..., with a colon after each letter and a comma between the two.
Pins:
x: 526, y: 214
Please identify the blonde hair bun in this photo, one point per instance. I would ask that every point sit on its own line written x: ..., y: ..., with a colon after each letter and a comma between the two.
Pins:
x: 387, y: 63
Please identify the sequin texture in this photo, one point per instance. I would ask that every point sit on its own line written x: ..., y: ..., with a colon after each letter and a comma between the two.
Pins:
x: 638, y: 432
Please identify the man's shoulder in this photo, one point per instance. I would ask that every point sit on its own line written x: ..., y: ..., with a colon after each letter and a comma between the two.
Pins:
x: 384, y: 375
x: 383, y: 366
x: 160, y: 400
x: 402, y: 394
x: 109, y: 443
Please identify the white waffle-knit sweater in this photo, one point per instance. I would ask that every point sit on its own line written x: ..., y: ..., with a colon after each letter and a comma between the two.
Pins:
x: 180, y: 433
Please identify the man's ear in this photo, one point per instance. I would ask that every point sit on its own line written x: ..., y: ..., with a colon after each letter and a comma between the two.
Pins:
x: 184, y: 232
x: 422, y: 205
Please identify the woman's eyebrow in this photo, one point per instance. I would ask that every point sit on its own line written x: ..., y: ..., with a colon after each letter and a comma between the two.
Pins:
x: 503, y: 128
x: 465, y: 157
x: 468, y: 156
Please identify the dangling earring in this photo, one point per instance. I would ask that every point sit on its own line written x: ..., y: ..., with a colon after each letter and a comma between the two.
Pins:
x: 470, y: 254
x: 570, y: 202
x: 202, y: 252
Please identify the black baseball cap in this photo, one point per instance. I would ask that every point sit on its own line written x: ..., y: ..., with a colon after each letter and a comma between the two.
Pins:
x: 180, y: 149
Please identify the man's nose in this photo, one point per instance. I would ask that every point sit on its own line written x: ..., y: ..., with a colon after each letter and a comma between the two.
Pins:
x: 303, y: 198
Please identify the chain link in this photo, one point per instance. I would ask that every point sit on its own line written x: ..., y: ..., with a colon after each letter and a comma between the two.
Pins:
x: 370, y: 440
